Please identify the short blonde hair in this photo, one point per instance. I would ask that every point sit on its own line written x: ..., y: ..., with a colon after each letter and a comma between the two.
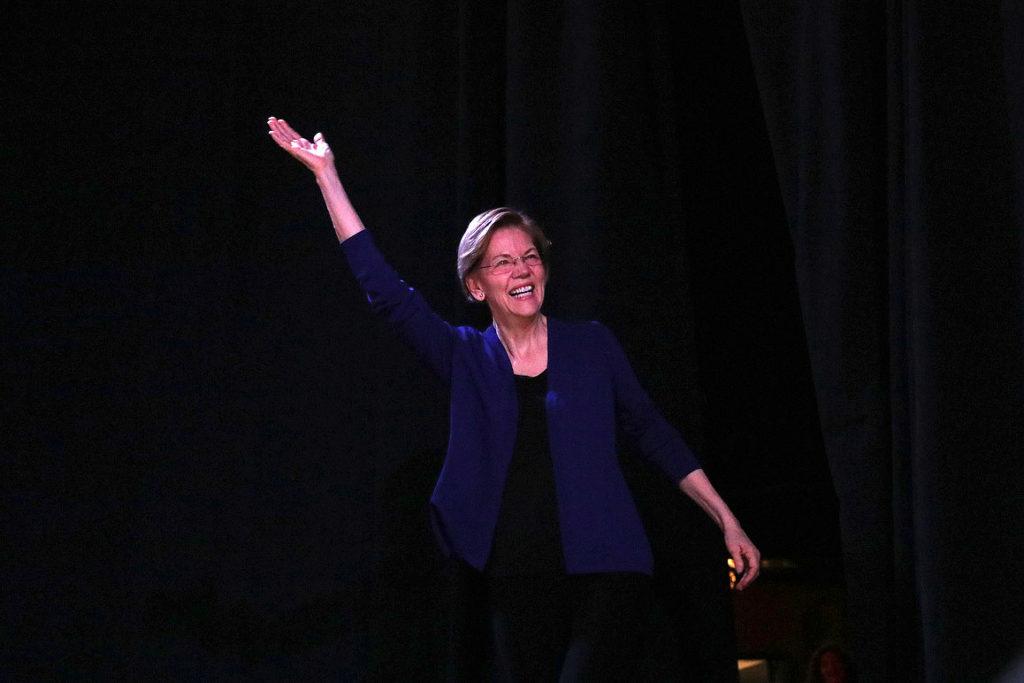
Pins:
x: 477, y: 238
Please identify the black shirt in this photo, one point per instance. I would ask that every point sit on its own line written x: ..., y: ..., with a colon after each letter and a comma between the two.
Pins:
x: 527, y: 538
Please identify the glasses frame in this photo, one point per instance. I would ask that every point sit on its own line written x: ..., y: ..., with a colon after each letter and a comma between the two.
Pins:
x: 513, y: 260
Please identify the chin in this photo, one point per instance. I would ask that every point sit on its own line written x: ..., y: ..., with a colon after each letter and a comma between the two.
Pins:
x: 527, y: 308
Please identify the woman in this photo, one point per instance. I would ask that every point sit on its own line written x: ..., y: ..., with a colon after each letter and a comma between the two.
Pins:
x: 531, y: 494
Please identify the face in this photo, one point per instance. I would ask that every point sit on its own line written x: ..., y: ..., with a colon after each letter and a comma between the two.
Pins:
x: 515, y: 295
x: 832, y: 668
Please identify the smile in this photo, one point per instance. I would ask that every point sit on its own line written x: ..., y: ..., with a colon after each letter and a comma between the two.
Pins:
x: 521, y: 292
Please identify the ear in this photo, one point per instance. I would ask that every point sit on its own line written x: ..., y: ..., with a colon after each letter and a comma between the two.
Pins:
x: 475, y: 290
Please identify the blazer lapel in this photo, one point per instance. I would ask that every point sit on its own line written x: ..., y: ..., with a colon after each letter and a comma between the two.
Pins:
x: 496, y: 350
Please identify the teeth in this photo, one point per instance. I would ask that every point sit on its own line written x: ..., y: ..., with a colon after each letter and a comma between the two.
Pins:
x: 518, y: 291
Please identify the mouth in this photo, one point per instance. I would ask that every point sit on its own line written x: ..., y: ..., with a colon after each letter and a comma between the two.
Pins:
x: 521, y: 292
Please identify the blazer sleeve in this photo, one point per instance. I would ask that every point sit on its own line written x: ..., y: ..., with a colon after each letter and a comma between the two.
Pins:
x: 659, y: 442
x: 401, y: 305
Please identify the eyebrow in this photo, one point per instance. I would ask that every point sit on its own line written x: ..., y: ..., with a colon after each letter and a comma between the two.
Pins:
x: 525, y: 253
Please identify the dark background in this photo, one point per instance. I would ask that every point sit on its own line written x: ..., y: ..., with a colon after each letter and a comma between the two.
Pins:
x: 217, y: 462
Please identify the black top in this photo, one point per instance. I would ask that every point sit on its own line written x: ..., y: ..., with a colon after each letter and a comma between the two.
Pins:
x: 527, y: 538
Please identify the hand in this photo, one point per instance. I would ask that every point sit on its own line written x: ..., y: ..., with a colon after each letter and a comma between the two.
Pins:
x: 745, y: 555
x: 316, y: 155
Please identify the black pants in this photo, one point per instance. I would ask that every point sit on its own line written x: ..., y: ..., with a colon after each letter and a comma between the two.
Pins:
x: 555, y: 627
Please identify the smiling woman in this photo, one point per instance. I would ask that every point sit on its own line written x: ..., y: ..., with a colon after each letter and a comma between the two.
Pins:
x: 521, y: 277
x: 474, y: 243
x: 531, y: 498
x: 510, y: 277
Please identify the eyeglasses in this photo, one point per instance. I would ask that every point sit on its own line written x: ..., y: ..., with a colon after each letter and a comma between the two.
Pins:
x: 503, y: 265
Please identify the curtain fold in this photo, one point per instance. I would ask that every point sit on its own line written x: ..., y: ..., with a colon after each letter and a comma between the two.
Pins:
x: 896, y: 137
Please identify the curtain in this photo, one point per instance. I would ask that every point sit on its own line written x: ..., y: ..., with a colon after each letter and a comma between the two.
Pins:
x: 896, y: 132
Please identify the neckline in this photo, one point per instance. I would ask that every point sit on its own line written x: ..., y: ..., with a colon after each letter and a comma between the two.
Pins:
x: 500, y: 354
x: 537, y: 376
x: 501, y: 342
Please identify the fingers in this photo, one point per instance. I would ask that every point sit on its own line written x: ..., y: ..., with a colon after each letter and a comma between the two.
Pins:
x: 316, y: 155
x: 275, y: 125
x: 276, y: 133
x: 320, y: 144
x: 275, y: 128
x: 282, y: 132
x: 288, y: 131
x: 279, y: 139
x: 286, y: 145
x: 737, y: 559
x: 286, y: 137
x: 751, y: 563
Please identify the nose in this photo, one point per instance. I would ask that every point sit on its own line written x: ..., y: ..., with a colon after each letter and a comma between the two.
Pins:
x: 519, y: 267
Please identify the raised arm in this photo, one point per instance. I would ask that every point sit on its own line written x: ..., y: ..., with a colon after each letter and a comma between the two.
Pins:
x: 388, y: 294
x: 318, y: 158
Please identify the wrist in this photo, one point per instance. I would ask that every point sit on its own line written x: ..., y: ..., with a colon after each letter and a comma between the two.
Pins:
x: 327, y: 176
x: 728, y: 523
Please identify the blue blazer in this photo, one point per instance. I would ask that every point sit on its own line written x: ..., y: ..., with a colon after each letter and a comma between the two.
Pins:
x: 592, y: 391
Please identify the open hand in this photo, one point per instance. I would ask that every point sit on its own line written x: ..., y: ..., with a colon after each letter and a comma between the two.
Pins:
x: 315, y: 155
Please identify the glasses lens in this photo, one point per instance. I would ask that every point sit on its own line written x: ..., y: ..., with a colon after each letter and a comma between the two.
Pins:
x: 504, y: 266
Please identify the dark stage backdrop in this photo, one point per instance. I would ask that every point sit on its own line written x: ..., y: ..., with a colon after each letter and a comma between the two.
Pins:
x: 216, y: 461
x: 897, y: 131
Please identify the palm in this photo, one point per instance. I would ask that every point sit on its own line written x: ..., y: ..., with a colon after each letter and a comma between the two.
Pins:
x: 315, y: 155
